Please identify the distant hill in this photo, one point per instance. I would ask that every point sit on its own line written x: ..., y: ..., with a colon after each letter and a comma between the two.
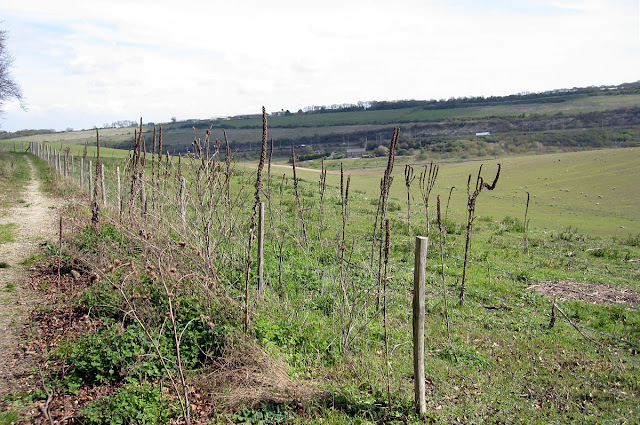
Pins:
x: 565, y: 119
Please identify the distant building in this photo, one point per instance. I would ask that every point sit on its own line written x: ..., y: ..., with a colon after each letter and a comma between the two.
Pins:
x: 356, y: 152
x: 484, y: 133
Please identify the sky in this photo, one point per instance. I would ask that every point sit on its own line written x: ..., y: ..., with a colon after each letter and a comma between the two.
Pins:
x: 86, y: 63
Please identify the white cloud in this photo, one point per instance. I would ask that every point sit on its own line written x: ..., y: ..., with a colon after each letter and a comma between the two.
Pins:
x: 111, y: 60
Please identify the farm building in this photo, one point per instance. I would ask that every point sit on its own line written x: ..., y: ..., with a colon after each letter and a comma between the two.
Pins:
x: 356, y: 152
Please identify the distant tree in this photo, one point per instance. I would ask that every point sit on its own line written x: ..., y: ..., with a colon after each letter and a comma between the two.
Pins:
x: 9, y: 89
x: 306, y: 150
x: 174, y: 119
x: 381, y: 151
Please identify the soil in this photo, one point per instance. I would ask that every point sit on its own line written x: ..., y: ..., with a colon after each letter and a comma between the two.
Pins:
x: 36, y: 220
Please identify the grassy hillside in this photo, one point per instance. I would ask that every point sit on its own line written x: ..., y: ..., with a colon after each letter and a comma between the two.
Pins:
x: 407, y: 115
x: 548, y: 331
x: 330, y: 322
x: 611, y: 112
x: 592, y: 191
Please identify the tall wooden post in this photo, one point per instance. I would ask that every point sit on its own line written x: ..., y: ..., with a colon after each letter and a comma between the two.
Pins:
x: 104, y: 189
x: 183, y: 215
x: 419, y: 277
x: 261, y: 251
x: 118, y: 193
x: 90, y: 182
x: 81, y: 173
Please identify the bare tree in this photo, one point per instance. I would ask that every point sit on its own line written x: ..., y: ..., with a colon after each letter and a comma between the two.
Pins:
x: 9, y: 89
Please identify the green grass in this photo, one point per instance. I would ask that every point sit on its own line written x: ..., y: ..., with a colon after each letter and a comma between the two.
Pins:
x: 9, y: 417
x: 501, y: 361
x: 593, y: 191
x: 7, y: 233
x: 14, y: 174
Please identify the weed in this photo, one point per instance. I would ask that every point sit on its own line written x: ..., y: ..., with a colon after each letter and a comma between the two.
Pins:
x: 7, y: 232
x: 9, y: 417
x: 633, y: 240
x: 610, y: 254
x: 111, y: 355
x: 266, y: 413
x: 133, y: 404
x: 11, y: 287
x: 469, y: 357
x: 511, y: 224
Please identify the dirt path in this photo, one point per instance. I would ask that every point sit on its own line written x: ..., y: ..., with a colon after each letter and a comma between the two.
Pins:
x: 36, y: 222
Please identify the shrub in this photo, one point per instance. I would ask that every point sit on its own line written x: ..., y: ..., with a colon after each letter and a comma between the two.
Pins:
x: 512, y: 224
x: 633, y: 240
x: 133, y: 404
x: 113, y: 354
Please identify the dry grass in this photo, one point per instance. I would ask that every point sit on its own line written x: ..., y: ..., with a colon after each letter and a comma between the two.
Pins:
x: 594, y: 293
x: 245, y: 376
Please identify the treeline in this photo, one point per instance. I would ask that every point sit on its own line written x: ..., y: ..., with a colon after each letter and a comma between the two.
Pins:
x: 22, y: 133
x: 518, y: 143
x: 553, y: 96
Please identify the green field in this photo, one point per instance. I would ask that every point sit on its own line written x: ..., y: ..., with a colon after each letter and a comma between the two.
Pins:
x: 592, y: 191
x: 549, y: 331
x: 316, y: 340
x: 335, y: 131
x: 411, y: 115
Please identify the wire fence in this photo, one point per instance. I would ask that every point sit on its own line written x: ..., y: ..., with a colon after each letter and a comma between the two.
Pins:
x: 508, y: 351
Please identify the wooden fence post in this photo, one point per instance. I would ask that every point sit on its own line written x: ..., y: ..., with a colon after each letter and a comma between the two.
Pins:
x: 118, y: 193
x: 90, y: 182
x: 81, y: 173
x: 183, y: 215
x: 104, y: 189
x: 261, y: 251
x: 419, y: 277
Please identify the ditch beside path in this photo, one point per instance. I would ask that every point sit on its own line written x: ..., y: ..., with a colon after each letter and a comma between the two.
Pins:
x: 36, y: 221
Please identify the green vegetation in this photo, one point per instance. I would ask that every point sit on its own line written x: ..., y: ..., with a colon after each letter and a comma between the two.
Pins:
x: 6, y: 232
x: 14, y: 174
x: 9, y: 417
x: 562, y: 120
x: 549, y: 331
x: 593, y: 191
x: 133, y: 404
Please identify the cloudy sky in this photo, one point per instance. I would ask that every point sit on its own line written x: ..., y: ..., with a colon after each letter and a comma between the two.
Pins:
x: 85, y: 63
